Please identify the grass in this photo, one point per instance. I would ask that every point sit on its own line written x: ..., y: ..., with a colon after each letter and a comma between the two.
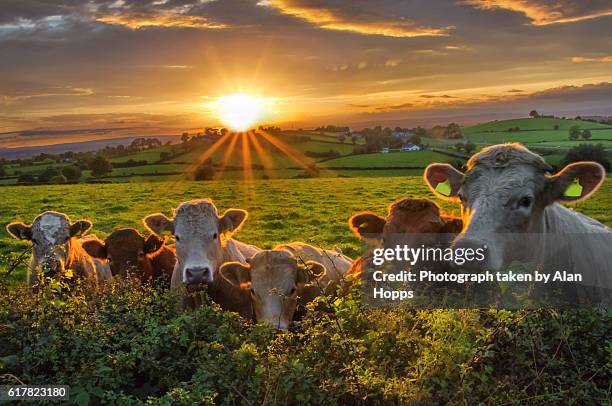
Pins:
x: 281, y: 210
x: 531, y: 124
x: 417, y: 159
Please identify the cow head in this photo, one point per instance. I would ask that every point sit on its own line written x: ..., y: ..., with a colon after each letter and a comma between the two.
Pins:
x: 50, y: 234
x: 273, y: 278
x: 505, y: 191
x: 406, y: 217
x: 126, y: 249
x: 199, y: 233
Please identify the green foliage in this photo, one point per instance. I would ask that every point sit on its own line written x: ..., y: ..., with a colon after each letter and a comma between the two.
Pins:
x: 72, y: 173
x: 100, y: 166
x: 129, y: 344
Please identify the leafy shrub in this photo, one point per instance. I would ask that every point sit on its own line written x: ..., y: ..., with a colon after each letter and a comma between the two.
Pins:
x: 130, y: 344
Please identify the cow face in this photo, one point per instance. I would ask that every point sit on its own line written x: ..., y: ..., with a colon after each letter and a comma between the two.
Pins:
x: 199, y: 233
x: 505, y: 191
x: 406, y: 217
x: 125, y: 249
x: 50, y: 234
x: 273, y: 279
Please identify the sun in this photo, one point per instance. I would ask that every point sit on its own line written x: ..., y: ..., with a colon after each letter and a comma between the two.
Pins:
x: 239, y: 111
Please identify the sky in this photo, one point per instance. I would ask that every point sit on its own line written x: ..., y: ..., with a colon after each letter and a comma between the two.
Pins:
x: 163, y: 63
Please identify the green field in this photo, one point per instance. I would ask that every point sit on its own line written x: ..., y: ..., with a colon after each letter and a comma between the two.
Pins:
x: 538, y: 132
x: 281, y: 210
x: 416, y: 159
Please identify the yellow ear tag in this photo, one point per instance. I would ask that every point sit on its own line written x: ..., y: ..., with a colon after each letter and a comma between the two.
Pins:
x: 574, y: 190
x: 444, y: 188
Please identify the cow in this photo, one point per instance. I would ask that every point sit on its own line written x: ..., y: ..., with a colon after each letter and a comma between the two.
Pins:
x: 406, y: 217
x: 203, y: 242
x: 289, y: 275
x: 509, y: 191
x: 126, y: 249
x: 56, y: 247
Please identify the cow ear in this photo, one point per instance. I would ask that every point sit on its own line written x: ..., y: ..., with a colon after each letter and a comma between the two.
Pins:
x: 232, y: 220
x: 310, y: 271
x: 153, y: 244
x: 443, y: 180
x: 20, y: 231
x: 366, y: 224
x: 95, y: 248
x: 237, y: 274
x: 80, y: 228
x: 451, y: 225
x: 158, y: 224
x: 576, y: 182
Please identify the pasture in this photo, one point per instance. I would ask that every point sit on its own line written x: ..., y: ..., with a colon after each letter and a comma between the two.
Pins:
x: 129, y: 344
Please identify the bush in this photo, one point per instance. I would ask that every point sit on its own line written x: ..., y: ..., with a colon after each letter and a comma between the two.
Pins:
x: 588, y: 152
x: 128, y: 344
x: 58, y: 179
x: 204, y: 171
x: 72, y: 173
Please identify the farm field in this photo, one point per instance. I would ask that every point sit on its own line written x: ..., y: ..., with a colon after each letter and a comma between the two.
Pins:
x: 539, y: 132
x: 280, y: 210
x: 416, y: 159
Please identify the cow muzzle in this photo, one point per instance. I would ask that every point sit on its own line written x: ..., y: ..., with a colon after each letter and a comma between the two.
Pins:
x: 198, y: 275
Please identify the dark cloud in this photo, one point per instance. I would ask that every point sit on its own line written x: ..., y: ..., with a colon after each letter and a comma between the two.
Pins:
x: 431, y: 96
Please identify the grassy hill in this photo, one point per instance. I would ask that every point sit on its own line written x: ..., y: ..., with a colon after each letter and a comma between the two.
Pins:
x: 417, y: 159
x: 545, y: 133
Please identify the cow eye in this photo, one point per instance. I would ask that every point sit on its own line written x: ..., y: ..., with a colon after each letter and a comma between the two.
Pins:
x: 252, y: 291
x: 525, y: 202
x: 141, y: 255
x: 292, y: 291
x: 460, y: 196
x: 176, y: 238
x: 215, y: 236
x: 34, y: 241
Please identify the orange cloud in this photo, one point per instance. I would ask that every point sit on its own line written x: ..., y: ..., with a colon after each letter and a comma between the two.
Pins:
x: 333, y: 19
x: 580, y: 59
x: 167, y: 18
x: 544, y: 12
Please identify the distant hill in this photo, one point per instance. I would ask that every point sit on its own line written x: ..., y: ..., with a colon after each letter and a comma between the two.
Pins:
x: 531, y: 124
x: 85, y: 146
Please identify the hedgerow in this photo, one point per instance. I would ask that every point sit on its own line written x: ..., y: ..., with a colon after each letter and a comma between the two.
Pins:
x: 130, y: 344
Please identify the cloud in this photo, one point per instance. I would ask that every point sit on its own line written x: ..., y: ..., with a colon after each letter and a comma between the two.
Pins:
x: 581, y: 59
x: 514, y: 91
x: 162, y: 18
x: 431, y: 96
x: 357, y: 16
x: 545, y: 12
x: 19, y: 91
x: 396, y: 106
x: 392, y: 63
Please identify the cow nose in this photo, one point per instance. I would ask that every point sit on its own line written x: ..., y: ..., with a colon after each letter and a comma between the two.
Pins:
x: 198, y: 275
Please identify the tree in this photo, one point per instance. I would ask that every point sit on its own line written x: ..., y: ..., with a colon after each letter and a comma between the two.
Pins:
x: 415, y: 139
x: 2, y: 170
x: 453, y: 131
x: 556, y: 127
x: 586, y: 134
x: 184, y: 137
x: 354, y: 139
x: 469, y: 147
x: 165, y: 156
x: 204, y: 171
x: 58, y: 179
x: 533, y: 114
x: 48, y: 174
x: 72, y: 173
x: 588, y: 152
x: 342, y: 138
x: 26, y: 179
x: 574, y: 133
x: 100, y: 166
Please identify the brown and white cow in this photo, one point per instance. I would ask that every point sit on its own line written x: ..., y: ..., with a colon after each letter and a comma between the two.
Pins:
x: 508, y: 191
x: 406, y: 217
x: 128, y: 250
x: 203, y: 242
x: 56, y: 248
x: 279, y: 280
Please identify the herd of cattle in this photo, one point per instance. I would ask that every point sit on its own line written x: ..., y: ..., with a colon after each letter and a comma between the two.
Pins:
x: 506, y: 190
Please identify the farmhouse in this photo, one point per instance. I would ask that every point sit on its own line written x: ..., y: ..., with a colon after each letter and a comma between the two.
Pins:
x: 409, y: 147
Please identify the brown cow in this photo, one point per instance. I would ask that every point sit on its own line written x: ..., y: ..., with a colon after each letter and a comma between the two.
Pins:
x: 126, y: 249
x: 407, y: 216
x: 57, y: 248
x: 279, y: 280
